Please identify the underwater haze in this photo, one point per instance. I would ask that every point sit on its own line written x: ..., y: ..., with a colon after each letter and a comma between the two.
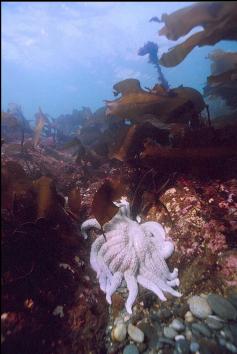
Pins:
x: 65, y: 55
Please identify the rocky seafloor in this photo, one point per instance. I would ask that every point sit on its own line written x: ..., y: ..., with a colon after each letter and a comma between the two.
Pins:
x: 54, y: 304
x: 204, y: 319
x: 206, y: 323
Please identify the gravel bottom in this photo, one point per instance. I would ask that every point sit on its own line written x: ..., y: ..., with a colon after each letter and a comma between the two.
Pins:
x: 201, y: 324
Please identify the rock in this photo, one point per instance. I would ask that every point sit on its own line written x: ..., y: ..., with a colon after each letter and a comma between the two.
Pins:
x: 149, y: 299
x: 118, y: 320
x: 208, y: 346
x: 180, y: 309
x: 178, y: 337
x: 169, y: 332
x: 222, y: 307
x: 231, y: 347
x: 199, y: 307
x: 194, y: 347
x: 158, y: 327
x: 182, y: 346
x: 188, y: 334
x: 221, y: 340
x: 149, y: 351
x: 142, y: 347
x: 135, y: 333
x: 164, y: 314
x: 227, y: 333
x: 130, y: 349
x: 196, y: 334
x: 202, y: 328
x: 119, y: 332
x: 233, y: 329
x: 154, y: 316
x: 159, y: 345
x: 137, y: 317
x: 189, y: 317
x: 177, y: 324
x: 214, y: 322
x: 166, y: 341
x: 233, y: 299
x: 58, y: 311
x: 117, y: 304
x: 149, y: 331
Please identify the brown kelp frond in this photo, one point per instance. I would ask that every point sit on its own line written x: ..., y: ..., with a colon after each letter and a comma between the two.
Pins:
x: 41, y: 120
x: 222, y: 83
x: 166, y: 105
x: 217, y: 19
x: 103, y: 207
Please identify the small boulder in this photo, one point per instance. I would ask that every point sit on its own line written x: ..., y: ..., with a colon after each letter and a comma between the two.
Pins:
x: 199, y: 307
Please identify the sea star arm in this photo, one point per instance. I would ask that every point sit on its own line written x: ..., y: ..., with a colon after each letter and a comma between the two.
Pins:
x: 165, y: 287
x: 117, y: 261
x: 167, y: 249
x: 111, y: 253
x: 173, y: 275
x: 174, y: 282
x: 103, y: 280
x: 155, y: 229
x: 159, y: 267
x: 88, y: 224
x: 96, y: 245
x: 132, y: 288
x: 112, y: 287
x: 148, y: 284
x: 124, y: 207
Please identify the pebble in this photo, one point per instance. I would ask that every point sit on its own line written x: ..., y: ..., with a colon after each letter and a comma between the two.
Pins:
x: 199, y: 307
x: 130, y: 349
x: 222, y: 307
x: 221, y: 340
x: 178, y: 337
x: 227, y: 333
x: 202, y: 328
x: 149, y: 331
x: 182, y: 346
x: 119, y: 332
x: 149, y: 300
x: 177, y: 324
x: 194, y: 347
x: 188, y: 334
x: 233, y: 299
x: 189, y: 317
x: 196, y: 334
x: 118, y: 320
x: 233, y: 329
x: 166, y: 341
x: 154, y: 316
x: 158, y: 328
x: 58, y: 311
x: 231, y: 347
x: 135, y: 333
x: 214, y: 322
x: 209, y: 347
x: 142, y: 347
x: 180, y: 309
x: 164, y: 314
x: 150, y: 351
x: 169, y: 332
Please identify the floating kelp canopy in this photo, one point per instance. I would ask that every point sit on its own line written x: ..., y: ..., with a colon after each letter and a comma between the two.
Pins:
x: 218, y: 20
